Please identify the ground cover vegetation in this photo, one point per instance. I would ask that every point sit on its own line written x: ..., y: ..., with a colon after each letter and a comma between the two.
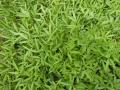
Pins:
x: 59, y: 44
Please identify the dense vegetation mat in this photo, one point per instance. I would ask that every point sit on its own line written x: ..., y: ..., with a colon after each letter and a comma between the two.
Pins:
x: 59, y: 44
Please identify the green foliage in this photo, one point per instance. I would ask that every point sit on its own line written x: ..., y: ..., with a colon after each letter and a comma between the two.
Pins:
x: 60, y: 45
